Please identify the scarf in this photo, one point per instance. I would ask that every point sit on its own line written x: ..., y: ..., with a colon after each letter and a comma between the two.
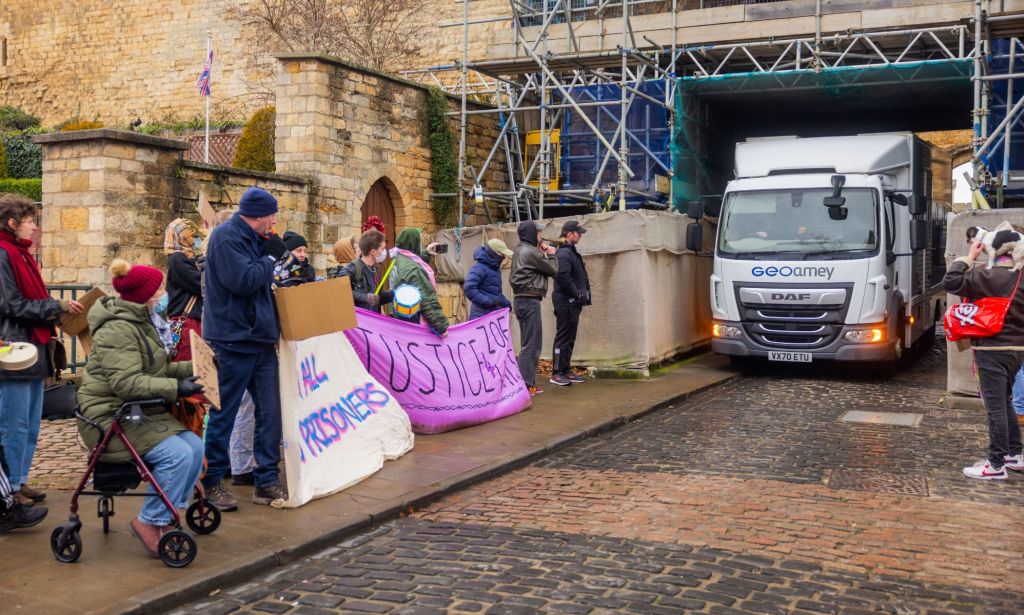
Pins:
x: 29, y: 280
x: 163, y: 330
x: 419, y: 261
x: 180, y: 236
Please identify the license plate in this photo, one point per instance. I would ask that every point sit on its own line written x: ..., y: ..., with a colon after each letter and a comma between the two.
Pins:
x: 793, y: 357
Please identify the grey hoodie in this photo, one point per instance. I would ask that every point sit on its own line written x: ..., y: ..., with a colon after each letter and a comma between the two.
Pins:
x: 531, y: 268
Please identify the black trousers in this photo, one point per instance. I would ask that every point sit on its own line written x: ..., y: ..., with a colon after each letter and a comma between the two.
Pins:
x: 996, y: 371
x: 567, y: 321
x: 531, y: 333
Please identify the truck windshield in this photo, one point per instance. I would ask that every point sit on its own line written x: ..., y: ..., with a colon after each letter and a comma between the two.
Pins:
x: 795, y: 225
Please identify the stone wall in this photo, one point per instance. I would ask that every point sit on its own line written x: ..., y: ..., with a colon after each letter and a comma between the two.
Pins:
x: 115, y: 61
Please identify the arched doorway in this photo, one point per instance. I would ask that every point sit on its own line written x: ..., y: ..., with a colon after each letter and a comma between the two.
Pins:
x: 378, y: 203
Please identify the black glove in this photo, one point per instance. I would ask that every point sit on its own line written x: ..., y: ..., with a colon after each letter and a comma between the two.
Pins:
x: 188, y: 387
x: 276, y: 247
x: 386, y: 297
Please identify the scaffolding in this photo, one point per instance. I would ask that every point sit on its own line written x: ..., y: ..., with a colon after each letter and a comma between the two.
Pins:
x: 539, y: 88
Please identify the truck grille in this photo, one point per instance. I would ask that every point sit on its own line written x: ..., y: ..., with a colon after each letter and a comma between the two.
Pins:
x: 793, y: 327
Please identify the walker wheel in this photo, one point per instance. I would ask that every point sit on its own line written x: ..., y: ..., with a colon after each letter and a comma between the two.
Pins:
x: 177, y: 549
x: 105, y: 511
x: 205, y: 522
x: 66, y: 547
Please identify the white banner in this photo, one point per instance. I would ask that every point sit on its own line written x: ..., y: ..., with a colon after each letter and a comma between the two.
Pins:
x: 339, y: 423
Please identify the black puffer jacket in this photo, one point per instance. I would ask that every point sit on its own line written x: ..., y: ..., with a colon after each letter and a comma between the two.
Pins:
x: 976, y: 281
x: 531, y: 268
x: 17, y: 317
x: 572, y: 284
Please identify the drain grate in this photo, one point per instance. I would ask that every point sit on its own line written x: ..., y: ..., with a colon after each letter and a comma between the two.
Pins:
x: 878, y: 482
x: 903, y: 419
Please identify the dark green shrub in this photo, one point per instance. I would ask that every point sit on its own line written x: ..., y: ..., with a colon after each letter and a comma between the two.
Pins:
x: 255, y: 149
x: 24, y: 158
x: 444, y: 167
x: 32, y: 188
x: 13, y: 118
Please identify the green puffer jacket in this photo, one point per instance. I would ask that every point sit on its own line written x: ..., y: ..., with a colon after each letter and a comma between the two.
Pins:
x: 408, y: 271
x: 128, y: 363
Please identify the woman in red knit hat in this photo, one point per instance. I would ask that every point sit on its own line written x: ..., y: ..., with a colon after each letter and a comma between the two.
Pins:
x: 128, y: 362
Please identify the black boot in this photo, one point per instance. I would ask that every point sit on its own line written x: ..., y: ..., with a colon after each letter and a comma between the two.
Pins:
x: 22, y: 516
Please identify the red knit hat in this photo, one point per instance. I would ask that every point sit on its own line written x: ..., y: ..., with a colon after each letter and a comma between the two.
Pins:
x: 135, y: 283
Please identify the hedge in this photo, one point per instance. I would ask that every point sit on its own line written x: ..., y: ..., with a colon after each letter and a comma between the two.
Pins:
x: 255, y: 149
x: 13, y: 118
x: 4, y: 172
x: 24, y: 158
x: 32, y: 188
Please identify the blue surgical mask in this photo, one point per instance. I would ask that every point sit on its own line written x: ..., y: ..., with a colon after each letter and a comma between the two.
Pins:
x: 161, y: 304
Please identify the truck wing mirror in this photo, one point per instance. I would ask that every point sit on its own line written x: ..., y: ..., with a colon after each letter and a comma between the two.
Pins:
x: 837, y: 199
x: 918, y: 205
x: 695, y: 209
x: 899, y: 199
x: 694, y: 236
x: 918, y: 234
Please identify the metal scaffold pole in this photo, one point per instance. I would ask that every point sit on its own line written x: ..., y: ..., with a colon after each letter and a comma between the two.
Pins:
x: 624, y: 107
x: 463, y: 116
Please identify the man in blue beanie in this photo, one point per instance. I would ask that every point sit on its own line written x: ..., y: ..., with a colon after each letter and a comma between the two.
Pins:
x: 240, y: 323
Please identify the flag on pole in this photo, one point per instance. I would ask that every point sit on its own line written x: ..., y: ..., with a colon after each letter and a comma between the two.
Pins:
x: 204, y: 77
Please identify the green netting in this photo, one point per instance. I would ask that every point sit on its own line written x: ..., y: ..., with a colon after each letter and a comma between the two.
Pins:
x: 842, y: 89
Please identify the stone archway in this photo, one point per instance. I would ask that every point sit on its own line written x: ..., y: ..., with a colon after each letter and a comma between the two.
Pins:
x: 378, y: 202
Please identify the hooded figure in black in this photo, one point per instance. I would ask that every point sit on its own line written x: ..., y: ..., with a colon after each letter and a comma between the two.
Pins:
x: 533, y: 262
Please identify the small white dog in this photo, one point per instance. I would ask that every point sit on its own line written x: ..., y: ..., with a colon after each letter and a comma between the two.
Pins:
x: 1003, y: 240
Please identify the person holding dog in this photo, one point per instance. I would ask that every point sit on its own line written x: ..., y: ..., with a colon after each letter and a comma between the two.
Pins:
x: 998, y: 358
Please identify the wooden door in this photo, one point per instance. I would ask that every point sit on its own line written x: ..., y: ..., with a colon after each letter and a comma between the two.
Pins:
x: 378, y: 203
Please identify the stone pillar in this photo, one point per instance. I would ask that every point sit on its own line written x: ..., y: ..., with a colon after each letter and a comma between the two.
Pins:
x: 106, y: 194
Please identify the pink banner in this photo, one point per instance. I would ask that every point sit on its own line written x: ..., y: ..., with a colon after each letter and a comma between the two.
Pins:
x: 467, y: 378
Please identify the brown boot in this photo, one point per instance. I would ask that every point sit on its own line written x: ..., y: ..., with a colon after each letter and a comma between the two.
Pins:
x: 149, y: 534
x: 36, y: 495
x: 22, y: 499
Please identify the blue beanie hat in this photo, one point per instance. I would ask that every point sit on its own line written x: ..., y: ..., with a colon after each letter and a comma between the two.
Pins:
x: 256, y: 203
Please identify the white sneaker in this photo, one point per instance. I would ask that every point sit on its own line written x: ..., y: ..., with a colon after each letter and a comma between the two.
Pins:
x: 1014, y: 462
x: 984, y: 471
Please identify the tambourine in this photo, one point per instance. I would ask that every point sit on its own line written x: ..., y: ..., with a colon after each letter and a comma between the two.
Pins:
x: 16, y: 356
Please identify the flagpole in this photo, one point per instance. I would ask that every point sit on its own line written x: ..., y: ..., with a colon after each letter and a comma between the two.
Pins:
x: 206, y: 149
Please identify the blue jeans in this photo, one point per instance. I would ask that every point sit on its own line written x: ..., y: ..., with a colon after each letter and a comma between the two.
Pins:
x: 21, y: 410
x: 1018, y: 393
x: 176, y: 462
x: 239, y: 372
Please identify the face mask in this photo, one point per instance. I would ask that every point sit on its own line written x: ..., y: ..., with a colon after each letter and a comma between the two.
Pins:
x: 380, y: 258
x: 161, y: 304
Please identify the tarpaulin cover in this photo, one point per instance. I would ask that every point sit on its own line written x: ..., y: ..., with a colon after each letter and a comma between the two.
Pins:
x: 650, y: 294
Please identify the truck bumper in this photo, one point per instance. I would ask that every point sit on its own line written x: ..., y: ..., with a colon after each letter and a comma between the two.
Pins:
x: 839, y: 350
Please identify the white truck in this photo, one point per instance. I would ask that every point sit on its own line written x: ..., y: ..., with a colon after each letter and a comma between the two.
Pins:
x: 828, y: 248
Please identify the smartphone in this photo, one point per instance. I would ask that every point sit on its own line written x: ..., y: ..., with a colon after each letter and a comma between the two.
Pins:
x: 441, y: 248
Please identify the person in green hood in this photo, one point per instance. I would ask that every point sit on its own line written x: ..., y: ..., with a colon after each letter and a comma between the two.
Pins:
x: 410, y: 268
x: 128, y: 363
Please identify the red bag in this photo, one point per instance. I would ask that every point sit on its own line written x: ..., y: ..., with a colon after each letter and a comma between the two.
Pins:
x: 977, y: 319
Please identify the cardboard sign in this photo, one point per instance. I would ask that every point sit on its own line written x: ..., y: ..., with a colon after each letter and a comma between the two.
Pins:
x: 204, y: 367
x: 207, y: 213
x: 73, y: 324
x: 467, y: 378
x: 314, y: 309
x: 339, y: 424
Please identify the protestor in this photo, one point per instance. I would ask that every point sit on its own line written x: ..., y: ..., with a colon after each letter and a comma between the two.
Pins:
x: 294, y: 268
x: 27, y: 314
x: 184, y: 285
x: 344, y: 253
x: 240, y: 322
x: 998, y: 358
x: 533, y: 262
x: 411, y: 269
x: 128, y: 363
x: 570, y: 295
x: 362, y: 274
x: 14, y: 515
x: 483, y: 282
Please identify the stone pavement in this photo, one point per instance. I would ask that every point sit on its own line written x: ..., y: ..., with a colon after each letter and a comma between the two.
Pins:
x: 114, y: 574
x: 753, y: 497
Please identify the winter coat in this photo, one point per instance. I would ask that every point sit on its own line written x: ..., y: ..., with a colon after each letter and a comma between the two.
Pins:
x: 238, y: 278
x: 408, y: 271
x: 363, y: 279
x: 128, y: 363
x: 184, y: 281
x: 290, y: 271
x: 531, y: 268
x: 17, y: 317
x: 483, y: 283
x: 968, y: 281
x: 572, y: 284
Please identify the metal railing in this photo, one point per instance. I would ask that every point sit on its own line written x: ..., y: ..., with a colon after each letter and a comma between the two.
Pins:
x: 70, y: 291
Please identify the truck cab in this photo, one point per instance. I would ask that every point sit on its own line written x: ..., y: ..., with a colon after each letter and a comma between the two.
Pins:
x: 826, y: 250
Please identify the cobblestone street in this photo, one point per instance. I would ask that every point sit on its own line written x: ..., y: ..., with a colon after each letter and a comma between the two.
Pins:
x: 754, y: 497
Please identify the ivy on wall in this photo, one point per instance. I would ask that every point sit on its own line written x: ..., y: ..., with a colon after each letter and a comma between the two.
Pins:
x: 444, y: 167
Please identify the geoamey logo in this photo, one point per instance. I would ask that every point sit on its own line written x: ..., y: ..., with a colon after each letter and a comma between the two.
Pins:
x: 793, y: 272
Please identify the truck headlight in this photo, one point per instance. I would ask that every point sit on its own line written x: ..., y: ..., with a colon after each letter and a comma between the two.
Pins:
x: 722, y: 330
x: 866, y: 336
